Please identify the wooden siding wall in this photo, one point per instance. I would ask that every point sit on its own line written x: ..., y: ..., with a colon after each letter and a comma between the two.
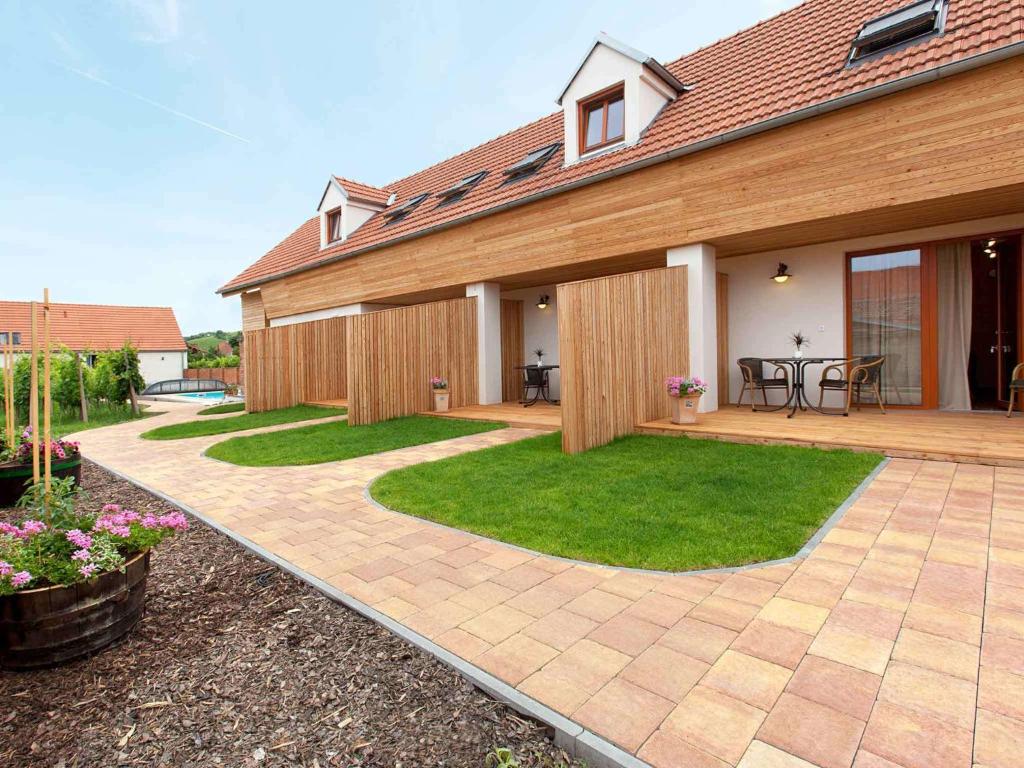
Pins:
x: 513, y: 353
x: 619, y: 338
x: 293, y: 364
x: 394, y: 353
x: 253, y: 315
x: 722, y: 328
x: 942, y: 152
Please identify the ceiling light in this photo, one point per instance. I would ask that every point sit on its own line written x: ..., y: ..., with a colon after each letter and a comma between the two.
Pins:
x: 782, y: 274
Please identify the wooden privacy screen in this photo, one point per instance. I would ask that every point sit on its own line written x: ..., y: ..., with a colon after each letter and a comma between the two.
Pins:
x: 722, y: 325
x: 293, y: 364
x: 394, y: 353
x: 619, y: 337
x: 513, y: 353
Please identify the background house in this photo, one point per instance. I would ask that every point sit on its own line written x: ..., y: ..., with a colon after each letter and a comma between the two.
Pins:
x: 91, y: 328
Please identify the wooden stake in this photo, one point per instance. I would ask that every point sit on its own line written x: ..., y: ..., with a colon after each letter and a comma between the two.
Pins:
x: 33, y: 393
x: 9, y: 387
x: 83, y: 403
x: 47, y: 405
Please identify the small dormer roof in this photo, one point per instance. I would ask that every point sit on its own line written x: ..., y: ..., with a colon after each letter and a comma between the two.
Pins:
x: 638, y: 56
x: 356, y: 190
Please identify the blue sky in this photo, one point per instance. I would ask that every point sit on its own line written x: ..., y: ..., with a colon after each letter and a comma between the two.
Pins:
x: 152, y: 149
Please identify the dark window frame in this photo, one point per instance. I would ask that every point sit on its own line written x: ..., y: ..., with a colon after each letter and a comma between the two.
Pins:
x: 458, y: 191
x: 521, y: 169
x: 887, y: 40
x: 400, y: 212
x: 586, y: 105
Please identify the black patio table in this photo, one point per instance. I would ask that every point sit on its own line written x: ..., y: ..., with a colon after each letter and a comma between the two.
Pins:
x: 542, y: 391
x: 797, y: 397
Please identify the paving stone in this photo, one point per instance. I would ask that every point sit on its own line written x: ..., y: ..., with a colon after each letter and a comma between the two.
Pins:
x: 724, y: 612
x: 560, y: 629
x: 840, y: 644
x: 597, y: 605
x: 715, y: 723
x: 698, y: 639
x: 795, y: 615
x: 846, y: 689
x: 938, y: 653
x: 516, y: 658
x: 998, y: 741
x: 779, y: 645
x: 663, y: 610
x: 762, y: 755
x: 668, y: 673
x: 914, y: 740
x: 812, y: 732
x: 624, y: 713
x: 666, y: 750
x: 627, y: 634
x: 932, y: 693
x: 497, y: 624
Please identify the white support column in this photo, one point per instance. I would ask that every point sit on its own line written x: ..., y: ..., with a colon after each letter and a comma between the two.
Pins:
x: 702, y: 295
x: 488, y: 340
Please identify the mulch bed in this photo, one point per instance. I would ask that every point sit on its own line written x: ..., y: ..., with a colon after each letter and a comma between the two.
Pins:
x: 239, y: 664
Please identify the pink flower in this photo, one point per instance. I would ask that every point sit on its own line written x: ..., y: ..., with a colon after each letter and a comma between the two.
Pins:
x: 6, y: 569
x: 79, y: 539
x: 111, y: 509
x: 81, y: 554
x: 10, y: 530
x: 32, y: 527
x: 174, y: 520
x: 150, y: 520
x: 20, y: 579
x: 88, y: 570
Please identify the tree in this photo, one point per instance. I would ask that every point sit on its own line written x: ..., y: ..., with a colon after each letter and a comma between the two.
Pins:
x: 116, y: 377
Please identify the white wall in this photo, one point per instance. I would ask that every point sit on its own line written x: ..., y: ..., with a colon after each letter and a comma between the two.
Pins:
x: 159, y: 366
x: 540, y: 329
x: 763, y: 313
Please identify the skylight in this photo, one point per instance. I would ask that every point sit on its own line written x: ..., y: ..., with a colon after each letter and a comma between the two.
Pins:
x: 458, y: 191
x: 532, y: 162
x: 902, y: 26
x: 401, y: 211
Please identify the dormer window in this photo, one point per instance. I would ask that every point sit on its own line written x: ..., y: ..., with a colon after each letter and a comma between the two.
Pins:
x: 602, y: 119
x: 334, y: 230
x: 904, y: 26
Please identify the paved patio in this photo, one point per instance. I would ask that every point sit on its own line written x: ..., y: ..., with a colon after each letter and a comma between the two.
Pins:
x: 898, y: 642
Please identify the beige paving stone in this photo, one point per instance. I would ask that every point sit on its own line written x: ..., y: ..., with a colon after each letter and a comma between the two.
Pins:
x: 846, y: 689
x: 808, y: 589
x: 483, y: 596
x: 944, y: 622
x: 891, y: 596
x: 515, y: 658
x: 938, y: 653
x: 560, y: 629
x: 597, y: 604
x: 749, y: 679
x: 747, y: 589
x: 629, y: 585
x: 438, y: 618
x: 698, y: 639
x: 820, y: 735
x: 668, y: 673
x: 462, y: 644
x: 998, y: 741
x: 497, y: 623
x: 522, y: 577
x: 779, y: 645
x: 914, y: 740
x: 693, y: 589
x: 866, y: 652
x: 663, y: 610
x: 627, y: 634
x: 795, y: 615
x: 762, y: 755
x: 715, y: 723
x: 1001, y: 691
x: 665, y: 750
x: 539, y: 600
x: 866, y: 619
x: 1003, y: 652
x: 625, y: 713
x: 1000, y: 621
x: 724, y: 612
x: 944, y: 697
x: 588, y: 665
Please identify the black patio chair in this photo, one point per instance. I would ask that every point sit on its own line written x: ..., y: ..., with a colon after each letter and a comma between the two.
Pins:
x: 535, y: 379
x: 752, y: 369
x: 1016, y: 386
x: 864, y: 371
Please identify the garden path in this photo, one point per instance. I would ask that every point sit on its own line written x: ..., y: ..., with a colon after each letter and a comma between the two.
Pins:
x: 899, y: 641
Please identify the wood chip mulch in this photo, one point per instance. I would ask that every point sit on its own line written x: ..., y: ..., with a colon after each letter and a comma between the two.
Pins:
x: 239, y: 664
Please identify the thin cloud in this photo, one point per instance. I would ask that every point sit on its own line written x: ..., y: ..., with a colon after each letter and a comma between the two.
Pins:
x: 160, y: 18
x: 157, y: 104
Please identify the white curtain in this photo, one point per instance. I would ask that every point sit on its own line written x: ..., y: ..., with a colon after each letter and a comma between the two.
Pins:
x: 955, y: 310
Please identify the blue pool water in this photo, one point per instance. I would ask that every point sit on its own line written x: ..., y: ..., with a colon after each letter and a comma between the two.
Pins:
x: 219, y: 395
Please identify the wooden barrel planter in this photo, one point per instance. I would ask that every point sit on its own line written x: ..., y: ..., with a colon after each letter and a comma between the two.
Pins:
x: 52, y: 625
x: 15, y: 477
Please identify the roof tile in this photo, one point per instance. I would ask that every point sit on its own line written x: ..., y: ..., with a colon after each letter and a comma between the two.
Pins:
x: 96, y: 327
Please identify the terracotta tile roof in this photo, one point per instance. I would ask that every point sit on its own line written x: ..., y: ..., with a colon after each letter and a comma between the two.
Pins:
x: 359, y: 191
x: 97, y: 326
x: 787, y: 63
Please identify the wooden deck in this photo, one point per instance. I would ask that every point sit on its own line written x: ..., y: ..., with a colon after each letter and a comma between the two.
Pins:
x: 977, y: 438
x: 340, y: 402
x: 539, y: 416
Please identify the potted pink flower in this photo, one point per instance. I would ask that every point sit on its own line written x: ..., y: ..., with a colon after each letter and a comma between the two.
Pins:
x: 685, y: 395
x: 440, y: 387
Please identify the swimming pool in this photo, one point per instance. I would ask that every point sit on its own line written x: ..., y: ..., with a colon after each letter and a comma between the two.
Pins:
x: 202, y: 395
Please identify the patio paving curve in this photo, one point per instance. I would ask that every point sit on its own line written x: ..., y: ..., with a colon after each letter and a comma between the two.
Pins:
x: 899, y: 641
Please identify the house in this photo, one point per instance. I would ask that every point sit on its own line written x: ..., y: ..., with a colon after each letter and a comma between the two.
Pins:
x: 92, y: 328
x: 854, y: 171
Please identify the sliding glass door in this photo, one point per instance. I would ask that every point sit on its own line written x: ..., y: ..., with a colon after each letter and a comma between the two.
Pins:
x: 886, y: 315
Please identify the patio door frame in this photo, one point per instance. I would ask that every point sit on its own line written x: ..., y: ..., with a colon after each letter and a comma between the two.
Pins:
x: 929, y: 306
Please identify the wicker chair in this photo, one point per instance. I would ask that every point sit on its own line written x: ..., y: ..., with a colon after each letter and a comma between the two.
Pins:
x: 535, y: 379
x: 1016, y: 386
x: 752, y: 369
x: 864, y: 371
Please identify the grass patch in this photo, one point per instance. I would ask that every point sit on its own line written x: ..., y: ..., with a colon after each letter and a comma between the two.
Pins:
x: 205, y: 427
x: 225, y: 408
x: 665, y: 503
x: 320, y: 443
x: 100, y: 415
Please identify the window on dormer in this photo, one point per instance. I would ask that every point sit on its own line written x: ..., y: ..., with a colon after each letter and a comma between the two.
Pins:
x: 602, y: 119
x: 334, y: 231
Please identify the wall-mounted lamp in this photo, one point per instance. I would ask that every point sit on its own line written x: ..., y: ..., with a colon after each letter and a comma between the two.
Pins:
x: 782, y: 274
x: 543, y: 301
x: 990, y: 250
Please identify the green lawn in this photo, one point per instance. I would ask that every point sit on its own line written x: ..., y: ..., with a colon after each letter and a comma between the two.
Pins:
x: 204, y: 427
x: 333, y: 442
x: 665, y: 503
x: 225, y: 408
x: 100, y: 415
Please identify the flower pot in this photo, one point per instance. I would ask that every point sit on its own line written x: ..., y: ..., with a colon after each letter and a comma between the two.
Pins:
x: 441, y: 400
x: 684, y: 409
x: 798, y: 353
x: 52, y: 625
x: 15, y: 477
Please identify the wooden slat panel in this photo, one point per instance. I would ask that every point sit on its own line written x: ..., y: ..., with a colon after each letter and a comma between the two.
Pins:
x: 253, y: 316
x: 294, y: 364
x: 722, y: 305
x: 619, y: 338
x: 513, y: 353
x: 394, y: 353
x: 943, y: 152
